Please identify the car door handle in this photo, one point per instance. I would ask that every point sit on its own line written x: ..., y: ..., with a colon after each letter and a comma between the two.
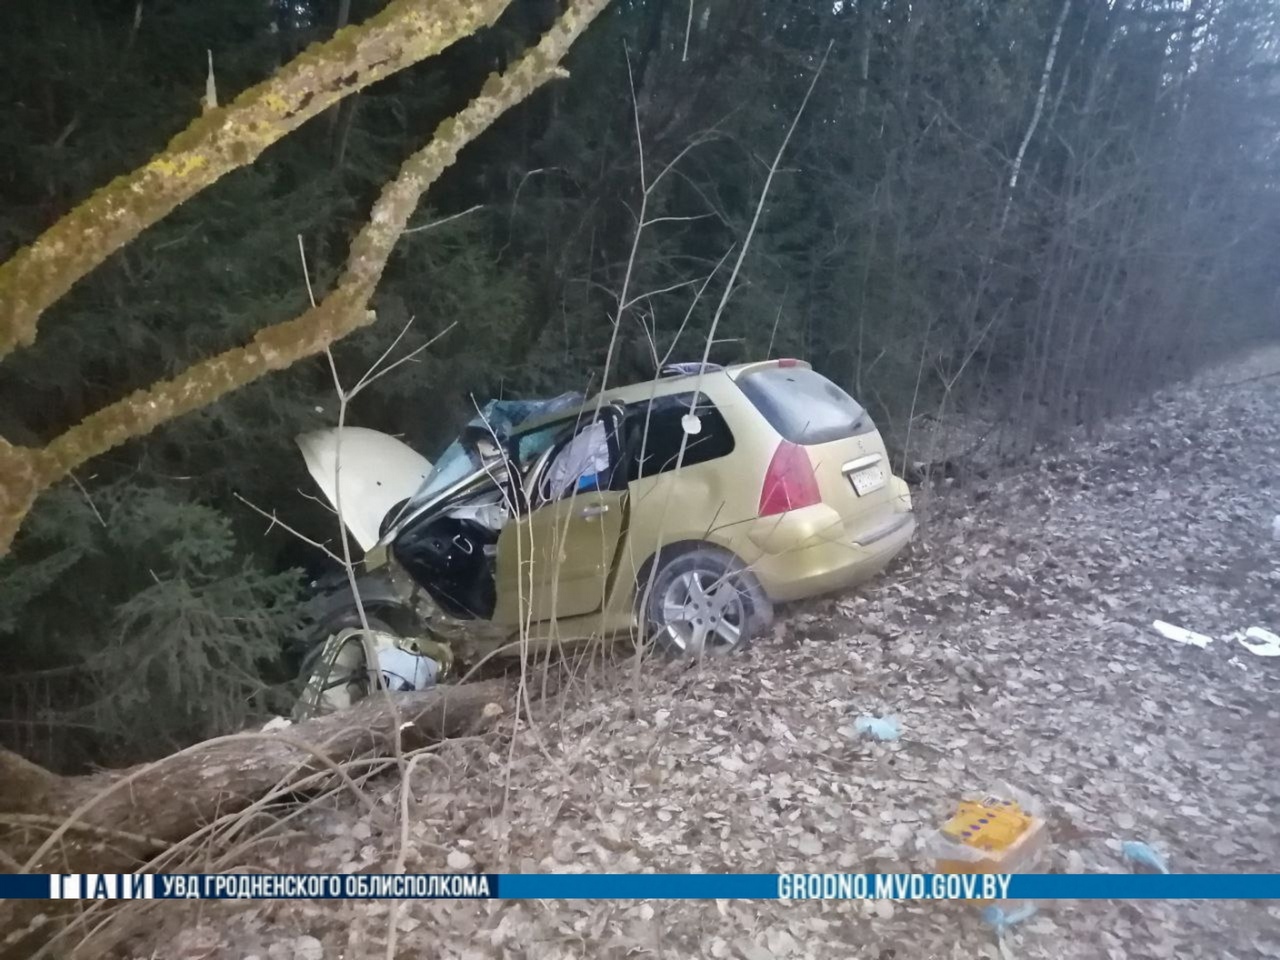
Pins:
x: 594, y: 510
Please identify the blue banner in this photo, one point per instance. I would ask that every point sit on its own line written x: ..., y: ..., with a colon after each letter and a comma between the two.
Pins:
x: 644, y: 886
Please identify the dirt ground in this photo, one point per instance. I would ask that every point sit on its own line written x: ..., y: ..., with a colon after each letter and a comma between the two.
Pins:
x: 1013, y: 643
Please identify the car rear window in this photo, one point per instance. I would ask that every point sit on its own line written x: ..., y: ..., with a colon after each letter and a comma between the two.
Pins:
x: 804, y: 406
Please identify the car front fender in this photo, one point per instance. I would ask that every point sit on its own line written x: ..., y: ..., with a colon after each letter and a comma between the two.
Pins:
x: 377, y: 590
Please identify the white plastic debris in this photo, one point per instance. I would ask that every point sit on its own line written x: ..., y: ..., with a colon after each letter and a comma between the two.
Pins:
x: 403, y: 671
x: 1182, y: 635
x: 276, y: 723
x: 1268, y: 644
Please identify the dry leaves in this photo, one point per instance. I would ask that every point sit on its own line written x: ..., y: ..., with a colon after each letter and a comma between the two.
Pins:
x: 1012, y: 642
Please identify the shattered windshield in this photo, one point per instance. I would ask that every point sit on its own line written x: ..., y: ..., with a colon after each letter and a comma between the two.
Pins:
x: 501, y: 417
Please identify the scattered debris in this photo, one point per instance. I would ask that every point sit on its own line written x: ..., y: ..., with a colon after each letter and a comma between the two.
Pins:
x: 1002, y: 921
x: 1268, y: 644
x: 999, y: 832
x: 276, y: 723
x: 1143, y: 856
x: 1182, y: 635
x: 879, y: 728
x: 404, y: 670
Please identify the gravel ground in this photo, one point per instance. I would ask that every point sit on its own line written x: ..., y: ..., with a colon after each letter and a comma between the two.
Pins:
x: 1013, y: 643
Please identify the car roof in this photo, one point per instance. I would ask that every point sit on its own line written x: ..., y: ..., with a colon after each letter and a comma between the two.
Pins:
x: 663, y: 386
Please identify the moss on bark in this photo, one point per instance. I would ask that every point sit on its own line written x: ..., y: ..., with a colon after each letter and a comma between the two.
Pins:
x: 221, y: 140
x: 25, y: 473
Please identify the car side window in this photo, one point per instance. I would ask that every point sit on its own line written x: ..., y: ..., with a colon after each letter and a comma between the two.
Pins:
x: 529, y: 446
x: 581, y: 460
x: 653, y: 431
x: 578, y: 464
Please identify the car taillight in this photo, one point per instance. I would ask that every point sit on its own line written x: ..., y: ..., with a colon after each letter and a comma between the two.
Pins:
x: 789, y: 483
x: 789, y: 362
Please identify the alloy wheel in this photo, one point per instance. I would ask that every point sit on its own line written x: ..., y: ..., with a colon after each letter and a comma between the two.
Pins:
x: 703, y: 613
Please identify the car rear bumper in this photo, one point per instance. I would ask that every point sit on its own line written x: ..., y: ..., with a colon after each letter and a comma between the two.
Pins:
x: 808, y: 556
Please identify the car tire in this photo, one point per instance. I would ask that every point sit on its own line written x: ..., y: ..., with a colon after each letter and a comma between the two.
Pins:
x: 703, y: 602
x: 390, y: 619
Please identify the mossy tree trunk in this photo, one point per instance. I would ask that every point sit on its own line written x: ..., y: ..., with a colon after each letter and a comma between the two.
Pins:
x: 221, y: 140
x: 26, y: 472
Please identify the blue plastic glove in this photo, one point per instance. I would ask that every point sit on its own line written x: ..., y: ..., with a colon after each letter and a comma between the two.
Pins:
x: 882, y: 728
x: 1003, y: 921
x: 1141, y: 854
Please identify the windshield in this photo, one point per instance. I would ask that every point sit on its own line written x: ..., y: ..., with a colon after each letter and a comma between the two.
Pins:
x: 499, y: 417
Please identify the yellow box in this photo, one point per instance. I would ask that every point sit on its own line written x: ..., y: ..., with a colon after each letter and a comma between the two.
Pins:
x: 992, y: 835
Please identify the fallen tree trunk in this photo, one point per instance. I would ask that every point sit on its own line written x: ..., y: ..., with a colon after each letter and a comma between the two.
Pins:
x: 116, y: 820
x: 168, y: 799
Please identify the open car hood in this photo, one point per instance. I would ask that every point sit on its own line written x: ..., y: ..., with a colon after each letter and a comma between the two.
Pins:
x: 376, y: 472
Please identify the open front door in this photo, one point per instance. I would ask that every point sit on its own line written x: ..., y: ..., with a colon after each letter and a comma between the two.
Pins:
x: 556, y: 560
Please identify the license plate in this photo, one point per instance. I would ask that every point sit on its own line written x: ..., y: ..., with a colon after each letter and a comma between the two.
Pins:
x: 867, y: 479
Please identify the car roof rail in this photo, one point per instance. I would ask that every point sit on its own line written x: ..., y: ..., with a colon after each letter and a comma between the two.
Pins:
x: 689, y: 369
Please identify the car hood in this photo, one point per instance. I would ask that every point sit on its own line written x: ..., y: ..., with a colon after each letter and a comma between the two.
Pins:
x: 376, y: 471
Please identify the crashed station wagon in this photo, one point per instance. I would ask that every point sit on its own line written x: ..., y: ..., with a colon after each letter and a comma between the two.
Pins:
x: 676, y: 511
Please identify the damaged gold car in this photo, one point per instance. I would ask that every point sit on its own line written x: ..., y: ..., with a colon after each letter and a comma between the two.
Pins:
x: 678, y: 511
